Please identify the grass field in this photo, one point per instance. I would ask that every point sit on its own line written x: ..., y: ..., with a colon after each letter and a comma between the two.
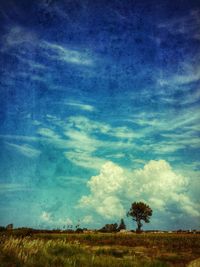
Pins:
x: 98, y: 250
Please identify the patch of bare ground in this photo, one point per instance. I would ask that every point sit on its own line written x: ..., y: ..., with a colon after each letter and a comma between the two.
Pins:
x: 194, y: 263
x: 149, y: 254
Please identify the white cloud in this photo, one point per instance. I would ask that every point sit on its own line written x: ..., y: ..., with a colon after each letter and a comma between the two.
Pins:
x: 12, y: 187
x: 18, y: 36
x: 26, y: 150
x: 81, y: 106
x: 84, y: 144
x: 157, y: 179
x: 46, y: 132
x: 53, y: 221
x: 110, y: 179
x: 36, y: 122
x: 68, y: 221
x: 91, y: 126
x: 193, y: 97
x: 87, y: 219
x: 68, y: 180
x: 86, y: 125
x: 168, y: 126
x: 190, y: 75
x: 47, y: 135
x: 116, y: 155
x: 157, y: 184
x: 20, y: 137
x: 82, y: 141
x: 32, y: 64
x: 84, y: 159
x: 187, y: 25
x: 178, y: 82
x: 165, y: 121
x: 104, y: 189
x: 45, y: 216
x: 81, y: 147
x: 108, y: 207
x: 59, y: 52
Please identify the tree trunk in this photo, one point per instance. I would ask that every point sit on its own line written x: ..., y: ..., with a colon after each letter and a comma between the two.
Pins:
x: 139, y: 226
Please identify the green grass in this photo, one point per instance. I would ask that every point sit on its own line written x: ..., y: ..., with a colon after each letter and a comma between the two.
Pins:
x: 98, y: 250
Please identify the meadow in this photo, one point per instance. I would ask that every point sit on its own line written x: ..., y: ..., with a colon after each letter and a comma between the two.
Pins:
x: 98, y: 249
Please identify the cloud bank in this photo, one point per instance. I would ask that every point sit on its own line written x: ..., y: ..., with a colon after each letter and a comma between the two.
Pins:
x: 114, y: 189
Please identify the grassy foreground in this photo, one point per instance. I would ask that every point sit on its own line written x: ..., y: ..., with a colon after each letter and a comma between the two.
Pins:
x: 98, y: 250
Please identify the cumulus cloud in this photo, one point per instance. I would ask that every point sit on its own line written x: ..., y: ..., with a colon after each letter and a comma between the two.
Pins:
x: 49, y: 219
x: 105, y: 188
x: 112, y: 191
x: 157, y: 178
x: 87, y: 219
x: 45, y: 216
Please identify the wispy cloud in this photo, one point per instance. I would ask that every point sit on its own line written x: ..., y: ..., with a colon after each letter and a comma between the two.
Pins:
x: 187, y: 25
x: 59, y: 52
x: 17, y: 35
x: 12, y: 187
x: 84, y: 124
x: 19, y: 137
x: 165, y: 133
x: 189, y: 74
x: 192, y: 98
x: 26, y: 150
x: 83, y: 140
x: 165, y: 121
x: 82, y: 146
x: 89, y: 143
x: 19, y: 41
x: 84, y: 159
x: 81, y: 106
x: 46, y: 132
x: 31, y: 63
x: 69, y: 180
x: 88, y: 147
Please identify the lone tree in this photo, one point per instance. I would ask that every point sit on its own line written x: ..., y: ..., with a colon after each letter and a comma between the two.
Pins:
x: 140, y: 212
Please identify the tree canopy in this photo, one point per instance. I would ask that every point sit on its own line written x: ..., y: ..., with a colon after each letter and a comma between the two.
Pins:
x: 140, y: 211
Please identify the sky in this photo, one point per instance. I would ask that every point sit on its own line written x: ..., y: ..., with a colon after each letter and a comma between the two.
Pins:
x: 99, y: 107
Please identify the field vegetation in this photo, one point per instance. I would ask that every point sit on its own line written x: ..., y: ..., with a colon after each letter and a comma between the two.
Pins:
x: 22, y: 249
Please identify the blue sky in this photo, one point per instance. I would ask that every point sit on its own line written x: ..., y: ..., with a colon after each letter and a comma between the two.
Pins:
x: 99, y: 108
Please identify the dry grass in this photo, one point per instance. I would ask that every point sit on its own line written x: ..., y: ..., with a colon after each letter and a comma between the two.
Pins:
x: 98, y: 250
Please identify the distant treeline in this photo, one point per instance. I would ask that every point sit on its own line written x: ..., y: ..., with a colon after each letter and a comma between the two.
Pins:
x: 108, y: 228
